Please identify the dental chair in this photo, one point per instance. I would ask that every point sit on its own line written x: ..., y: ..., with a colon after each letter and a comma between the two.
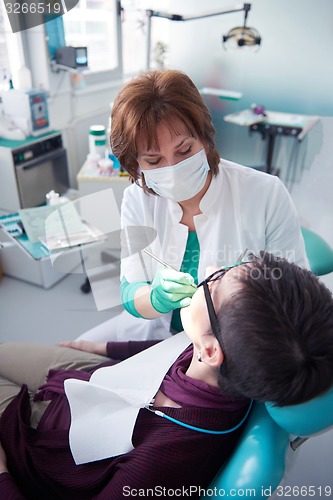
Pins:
x: 273, y: 434
x: 319, y: 253
x: 259, y: 462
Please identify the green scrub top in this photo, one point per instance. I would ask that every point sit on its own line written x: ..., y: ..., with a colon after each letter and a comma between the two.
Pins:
x: 189, y: 265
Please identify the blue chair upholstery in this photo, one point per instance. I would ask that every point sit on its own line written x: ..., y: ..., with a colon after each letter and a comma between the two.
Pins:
x: 307, y: 418
x: 259, y: 460
x: 319, y: 253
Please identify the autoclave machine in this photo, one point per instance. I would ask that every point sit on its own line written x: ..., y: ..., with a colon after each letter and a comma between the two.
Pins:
x: 31, y: 168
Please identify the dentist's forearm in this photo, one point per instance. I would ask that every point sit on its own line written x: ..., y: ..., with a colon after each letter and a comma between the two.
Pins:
x: 142, y: 303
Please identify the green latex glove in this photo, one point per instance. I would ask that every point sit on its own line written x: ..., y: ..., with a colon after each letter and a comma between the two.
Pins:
x: 171, y: 290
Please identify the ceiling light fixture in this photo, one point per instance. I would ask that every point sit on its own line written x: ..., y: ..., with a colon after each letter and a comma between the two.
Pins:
x: 242, y: 36
x: 237, y: 37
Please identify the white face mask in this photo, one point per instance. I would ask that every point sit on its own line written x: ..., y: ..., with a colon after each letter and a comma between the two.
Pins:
x: 181, y: 181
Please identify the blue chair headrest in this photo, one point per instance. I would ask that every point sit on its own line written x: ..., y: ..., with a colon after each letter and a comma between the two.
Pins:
x: 319, y: 252
x: 307, y: 418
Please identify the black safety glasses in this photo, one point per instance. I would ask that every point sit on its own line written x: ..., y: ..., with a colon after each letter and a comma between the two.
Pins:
x: 215, y: 276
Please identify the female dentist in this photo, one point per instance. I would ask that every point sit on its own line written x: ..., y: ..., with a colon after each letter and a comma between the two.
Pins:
x: 204, y: 210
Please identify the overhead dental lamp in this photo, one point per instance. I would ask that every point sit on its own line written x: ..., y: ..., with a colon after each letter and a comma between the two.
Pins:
x: 237, y: 37
x: 242, y: 36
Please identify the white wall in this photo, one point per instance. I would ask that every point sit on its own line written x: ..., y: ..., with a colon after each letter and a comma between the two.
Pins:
x: 292, y: 71
x: 71, y: 111
x: 85, y: 108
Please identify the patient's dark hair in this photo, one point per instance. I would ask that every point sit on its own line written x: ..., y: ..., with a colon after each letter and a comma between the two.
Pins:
x: 277, y: 332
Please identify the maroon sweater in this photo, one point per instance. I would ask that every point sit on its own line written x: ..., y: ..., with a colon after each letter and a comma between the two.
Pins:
x: 165, y: 455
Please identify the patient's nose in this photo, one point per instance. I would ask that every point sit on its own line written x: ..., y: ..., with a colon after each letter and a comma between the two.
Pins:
x: 210, y: 270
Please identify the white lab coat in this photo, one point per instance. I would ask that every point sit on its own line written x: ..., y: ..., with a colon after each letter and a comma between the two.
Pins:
x: 242, y: 208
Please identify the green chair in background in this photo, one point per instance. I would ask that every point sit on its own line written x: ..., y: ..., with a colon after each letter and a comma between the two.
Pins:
x: 319, y: 253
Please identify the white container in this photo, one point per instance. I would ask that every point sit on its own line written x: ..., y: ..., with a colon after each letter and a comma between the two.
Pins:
x: 53, y: 198
x: 97, y: 140
x: 19, y: 263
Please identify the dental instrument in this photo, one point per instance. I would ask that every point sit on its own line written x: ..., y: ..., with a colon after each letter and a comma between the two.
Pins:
x: 148, y: 252
x: 242, y: 255
x: 200, y: 429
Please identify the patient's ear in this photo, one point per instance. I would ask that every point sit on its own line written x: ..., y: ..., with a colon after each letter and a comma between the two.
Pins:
x: 211, y: 351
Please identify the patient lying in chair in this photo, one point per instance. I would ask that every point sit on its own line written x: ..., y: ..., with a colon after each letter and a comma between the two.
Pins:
x: 260, y: 330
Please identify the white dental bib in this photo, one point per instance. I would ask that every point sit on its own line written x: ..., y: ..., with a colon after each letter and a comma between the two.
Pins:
x: 104, y: 409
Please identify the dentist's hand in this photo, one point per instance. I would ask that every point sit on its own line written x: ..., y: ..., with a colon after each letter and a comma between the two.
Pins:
x: 171, y: 290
